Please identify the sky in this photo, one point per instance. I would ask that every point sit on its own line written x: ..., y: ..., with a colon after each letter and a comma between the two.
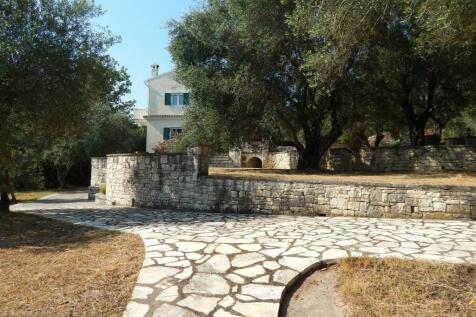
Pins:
x: 142, y: 25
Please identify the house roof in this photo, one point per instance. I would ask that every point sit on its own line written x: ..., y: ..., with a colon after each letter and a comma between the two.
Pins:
x: 166, y: 74
x: 160, y: 116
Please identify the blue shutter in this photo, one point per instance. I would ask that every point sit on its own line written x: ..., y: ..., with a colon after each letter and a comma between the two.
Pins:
x: 168, y: 99
x: 166, y: 133
x: 186, y: 98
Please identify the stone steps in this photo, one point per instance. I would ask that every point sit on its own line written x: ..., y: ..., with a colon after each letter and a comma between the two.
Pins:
x: 220, y: 160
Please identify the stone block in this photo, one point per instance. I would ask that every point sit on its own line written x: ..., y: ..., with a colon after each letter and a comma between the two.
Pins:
x: 458, y: 209
x: 439, y: 206
x: 338, y: 203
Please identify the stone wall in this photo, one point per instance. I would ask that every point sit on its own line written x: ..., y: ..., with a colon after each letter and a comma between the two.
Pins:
x: 283, y: 157
x: 282, y: 160
x: 98, y: 171
x: 422, y: 158
x: 221, y: 160
x: 153, y: 180
x: 174, y: 181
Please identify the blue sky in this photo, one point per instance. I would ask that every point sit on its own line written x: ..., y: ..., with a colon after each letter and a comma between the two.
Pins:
x: 142, y: 27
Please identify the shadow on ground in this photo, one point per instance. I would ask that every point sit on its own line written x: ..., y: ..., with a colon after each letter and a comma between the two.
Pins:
x: 19, y: 230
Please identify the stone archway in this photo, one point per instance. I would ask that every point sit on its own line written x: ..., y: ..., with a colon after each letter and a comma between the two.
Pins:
x: 254, y: 162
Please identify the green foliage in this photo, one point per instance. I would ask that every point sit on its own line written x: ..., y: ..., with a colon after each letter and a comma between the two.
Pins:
x: 310, y: 71
x: 461, y: 125
x: 249, y: 69
x: 107, y: 132
x: 102, y: 188
x: 203, y: 125
x: 54, y: 67
x: 173, y: 145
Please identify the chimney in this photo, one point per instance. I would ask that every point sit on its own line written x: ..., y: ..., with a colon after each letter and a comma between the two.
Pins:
x: 154, y: 70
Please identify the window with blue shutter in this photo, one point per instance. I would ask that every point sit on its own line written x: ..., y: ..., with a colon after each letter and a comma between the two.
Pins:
x: 168, y: 99
x: 166, y: 133
x: 172, y: 99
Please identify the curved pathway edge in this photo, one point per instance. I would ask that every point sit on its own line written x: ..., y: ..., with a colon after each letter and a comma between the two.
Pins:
x: 211, y: 264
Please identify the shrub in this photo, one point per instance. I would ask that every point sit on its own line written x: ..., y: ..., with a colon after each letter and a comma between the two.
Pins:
x: 172, y: 145
x: 102, y: 188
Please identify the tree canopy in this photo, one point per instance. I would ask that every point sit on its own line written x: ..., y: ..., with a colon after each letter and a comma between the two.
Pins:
x: 302, y: 72
x: 54, y: 67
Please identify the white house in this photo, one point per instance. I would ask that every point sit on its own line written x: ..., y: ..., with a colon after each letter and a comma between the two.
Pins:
x: 164, y: 112
x: 163, y: 118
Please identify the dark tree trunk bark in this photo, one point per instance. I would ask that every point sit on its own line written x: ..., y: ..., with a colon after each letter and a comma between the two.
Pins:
x: 310, y: 159
x: 441, y: 126
x: 4, y: 202
x: 378, y: 138
x: 416, y: 124
x: 420, y: 124
x: 61, y: 174
x: 310, y: 156
x: 14, y: 198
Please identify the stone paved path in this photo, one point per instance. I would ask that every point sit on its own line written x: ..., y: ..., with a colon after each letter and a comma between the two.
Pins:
x: 205, y: 264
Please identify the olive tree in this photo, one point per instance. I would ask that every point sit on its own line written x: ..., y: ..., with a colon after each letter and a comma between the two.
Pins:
x: 53, y: 66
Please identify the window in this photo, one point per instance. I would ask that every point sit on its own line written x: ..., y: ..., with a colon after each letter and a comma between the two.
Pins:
x: 176, y: 99
x: 170, y: 133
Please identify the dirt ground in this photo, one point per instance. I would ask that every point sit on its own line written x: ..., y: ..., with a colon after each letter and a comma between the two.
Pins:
x: 318, y: 296
x: 446, y: 178
x: 52, y: 268
x: 31, y: 195
x: 384, y: 288
x: 400, y: 288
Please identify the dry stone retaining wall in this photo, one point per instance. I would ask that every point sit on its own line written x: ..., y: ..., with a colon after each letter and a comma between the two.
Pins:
x: 178, y: 181
x: 221, y: 160
x: 421, y: 158
x: 98, y: 171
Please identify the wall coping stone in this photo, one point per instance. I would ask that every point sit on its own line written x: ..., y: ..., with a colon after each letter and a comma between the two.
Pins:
x: 145, y: 154
x: 348, y: 182
x: 403, y: 147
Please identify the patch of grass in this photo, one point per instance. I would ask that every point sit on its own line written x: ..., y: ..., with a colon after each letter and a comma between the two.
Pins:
x: 395, y: 287
x: 31, y: 195
x: 52, y: 268
x: 434, y: 178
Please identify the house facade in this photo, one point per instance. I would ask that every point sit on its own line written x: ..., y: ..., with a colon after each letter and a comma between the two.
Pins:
x: 163, y: 118
x: 164, y: 113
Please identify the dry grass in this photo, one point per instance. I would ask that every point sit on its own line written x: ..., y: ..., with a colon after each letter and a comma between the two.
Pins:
x: 393, y: 287
x: 31, y: 195
x: 457, y: 179
x: 52, y: 268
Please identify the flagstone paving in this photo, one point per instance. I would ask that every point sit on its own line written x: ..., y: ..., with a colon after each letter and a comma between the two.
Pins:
x: 210, y: 264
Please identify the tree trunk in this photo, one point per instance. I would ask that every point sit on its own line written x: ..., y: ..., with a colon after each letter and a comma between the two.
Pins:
x: 61, y: 174
x: 4, y: 202
x: 378, y: 138
x: 420, y: 124
x: 310, y: 159
x: 416, y: 124
x: 317, y: 145
x: 14, y: 198
x: 441, y: 126
x: 5, y: 185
